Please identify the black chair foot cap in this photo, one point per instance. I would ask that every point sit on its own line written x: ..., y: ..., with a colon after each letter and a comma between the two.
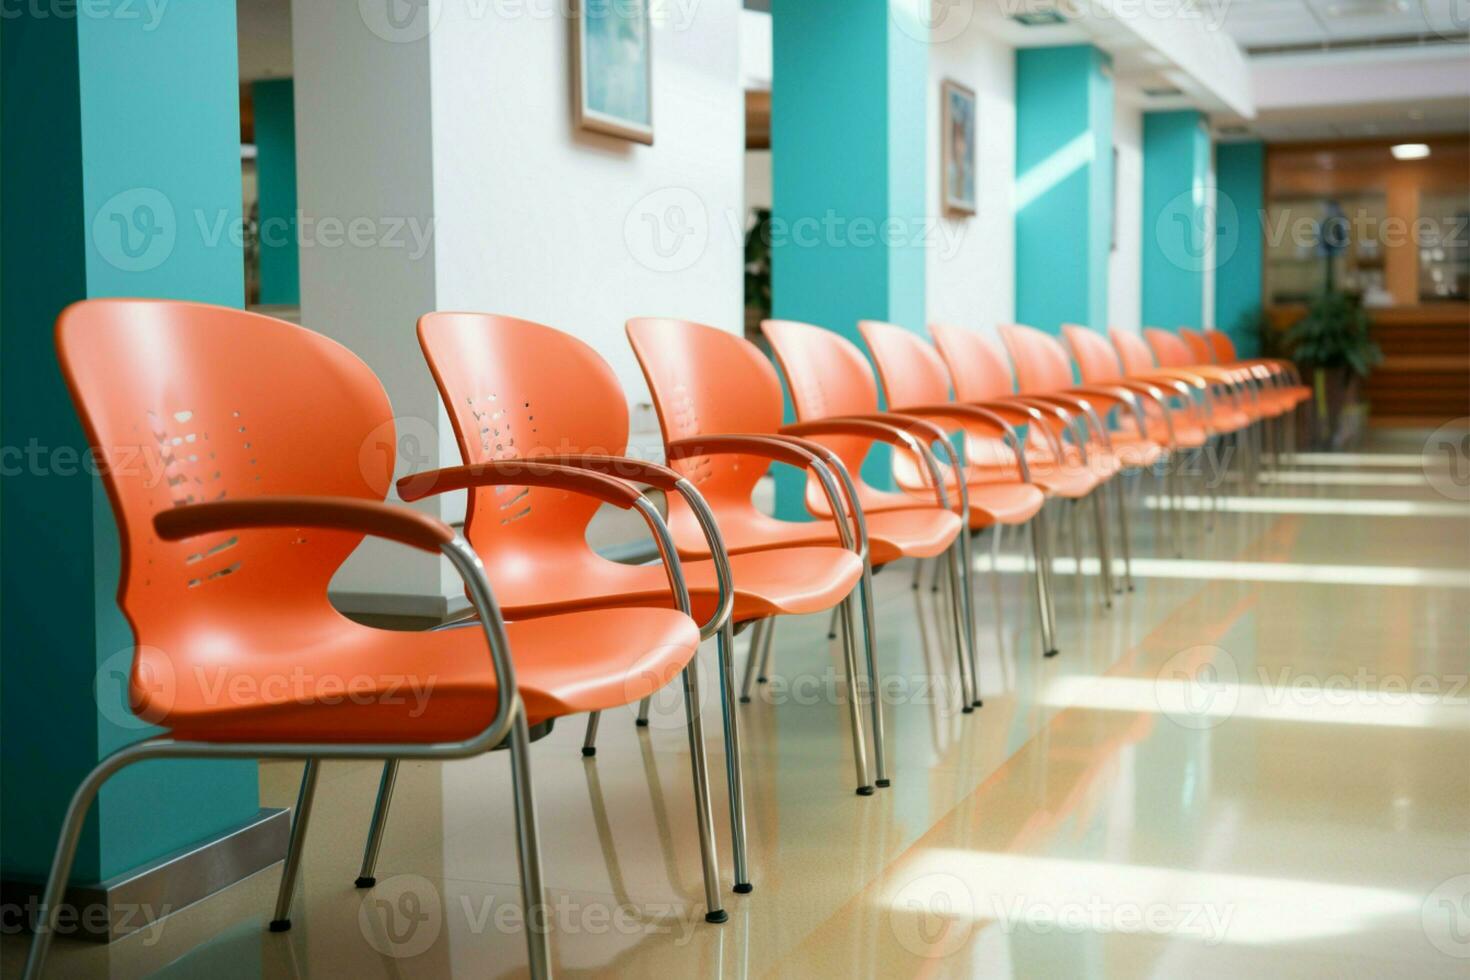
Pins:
x: 717, y: 916
x: 365, y: 881
x: 641, y: 722
x: 885, y: 783
x: 744, y: 699
x: 1051, y: 653
x: 589, y: 750
x: 744, y: 887
x: 760, y: 679
x: 967, y: 709
x: 1130, y: 588
x: 280, y: 925
x: 978, y: 703
x: 865, y: 791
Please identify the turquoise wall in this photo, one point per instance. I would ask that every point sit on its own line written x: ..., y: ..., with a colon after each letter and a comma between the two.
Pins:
x: 274, y: 102
x: 1064, y: 186
x: 849, y: 169
x: 122, y: 178
x: 1176, y: 225
x: 1240, y: 175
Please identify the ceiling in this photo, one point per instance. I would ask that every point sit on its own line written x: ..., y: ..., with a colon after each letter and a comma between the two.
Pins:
x: 1257, y: 24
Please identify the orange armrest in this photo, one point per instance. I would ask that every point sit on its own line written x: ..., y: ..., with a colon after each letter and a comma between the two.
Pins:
x: 623, y: 467
x: 374, y: 517
x: 519, y: 473
x: 876, y: 428
x: 764, y: 446
x: 1109, y: 395
x: 969, y: 416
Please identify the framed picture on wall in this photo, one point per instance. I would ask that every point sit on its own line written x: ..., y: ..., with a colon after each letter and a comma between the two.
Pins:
x: 612, y: 67
x: 958, y: 133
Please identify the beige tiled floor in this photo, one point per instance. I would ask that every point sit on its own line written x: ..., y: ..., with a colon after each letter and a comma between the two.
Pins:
x: 1233, y: 772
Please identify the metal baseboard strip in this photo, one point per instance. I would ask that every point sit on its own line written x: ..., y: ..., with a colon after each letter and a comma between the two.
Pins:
x: 108, y: 910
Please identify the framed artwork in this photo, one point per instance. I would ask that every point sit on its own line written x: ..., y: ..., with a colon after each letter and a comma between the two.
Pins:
x: 612, y: 67
x: 958, y: 131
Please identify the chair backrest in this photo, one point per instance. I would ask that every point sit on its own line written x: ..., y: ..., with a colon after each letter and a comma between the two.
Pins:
x: 1223, y: 345
x: 1201, y: 349
x: 1041, y: 362
x: 827, y: 376
x: 185, y: 403
x: 515, y: 389
x: 1096, y: 359
x: 1133, y: 351
x: 708, y: 381
x: 1170, y: 350
x: 979, y: 371
x: 910, y: 371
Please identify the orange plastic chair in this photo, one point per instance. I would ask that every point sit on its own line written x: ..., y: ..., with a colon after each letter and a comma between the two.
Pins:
x: 1285, y: 387
x: 1044, y: 375
x: 719, y: 407
x: 258, y: 426
x: 999, y: 487
x: 1232, y: 401
x: 520, y: 390
x: 836, y: 403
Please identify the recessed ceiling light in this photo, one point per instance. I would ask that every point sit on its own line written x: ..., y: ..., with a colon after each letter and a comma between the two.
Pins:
x: 1409, y: 151
x: 1039, y: 18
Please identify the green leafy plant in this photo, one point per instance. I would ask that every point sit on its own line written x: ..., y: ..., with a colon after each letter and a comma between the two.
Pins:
x: 1255, y: 322
x: 1334, y: 334
x: 758, y: 264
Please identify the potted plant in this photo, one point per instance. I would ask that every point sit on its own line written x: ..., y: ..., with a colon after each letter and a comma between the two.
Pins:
x: 1333, y: 347
x: 758, y: 273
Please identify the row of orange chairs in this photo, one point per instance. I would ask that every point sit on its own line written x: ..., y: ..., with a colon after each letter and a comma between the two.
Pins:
x: 260, y: 429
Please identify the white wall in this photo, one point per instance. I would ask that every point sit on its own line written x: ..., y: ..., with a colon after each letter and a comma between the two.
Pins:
x: 363, y: 154
x: 971, y: 272
x: 1125, y: 271
x: 540, y: 220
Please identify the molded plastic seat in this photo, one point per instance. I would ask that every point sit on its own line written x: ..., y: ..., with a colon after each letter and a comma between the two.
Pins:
x: 444, y: 698
x: 517, y: 389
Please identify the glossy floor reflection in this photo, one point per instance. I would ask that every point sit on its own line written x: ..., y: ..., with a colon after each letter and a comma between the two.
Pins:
x: 1225, y: 774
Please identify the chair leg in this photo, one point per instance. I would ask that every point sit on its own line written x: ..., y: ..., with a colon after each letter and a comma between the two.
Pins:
x: 832, y: 623
x: 766, y: 655
x: 967, y: 682
x: 292, y: 868
x: 1176, y: 505
x: 1074, y: 536
x: 875, y: 681
x: 753, y: 656
x: 366, y: 877
x: 854, y: 701
x: 61, y: 862
x: 528, y: 846
x: 918, y: 573
x: 708, y: 855
x: 1044, y: 609
x: 734, y: 773
x: 1121, y: 506
x: 967, y: 582
x: 1104, y: 556
x: 589, y: 741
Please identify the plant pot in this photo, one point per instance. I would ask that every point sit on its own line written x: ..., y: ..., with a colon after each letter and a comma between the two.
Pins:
x: 1338, y: 413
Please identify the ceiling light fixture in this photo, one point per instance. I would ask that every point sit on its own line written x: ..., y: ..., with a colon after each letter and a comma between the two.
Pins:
x: 1409, y: 151
x: 1039, y: 18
